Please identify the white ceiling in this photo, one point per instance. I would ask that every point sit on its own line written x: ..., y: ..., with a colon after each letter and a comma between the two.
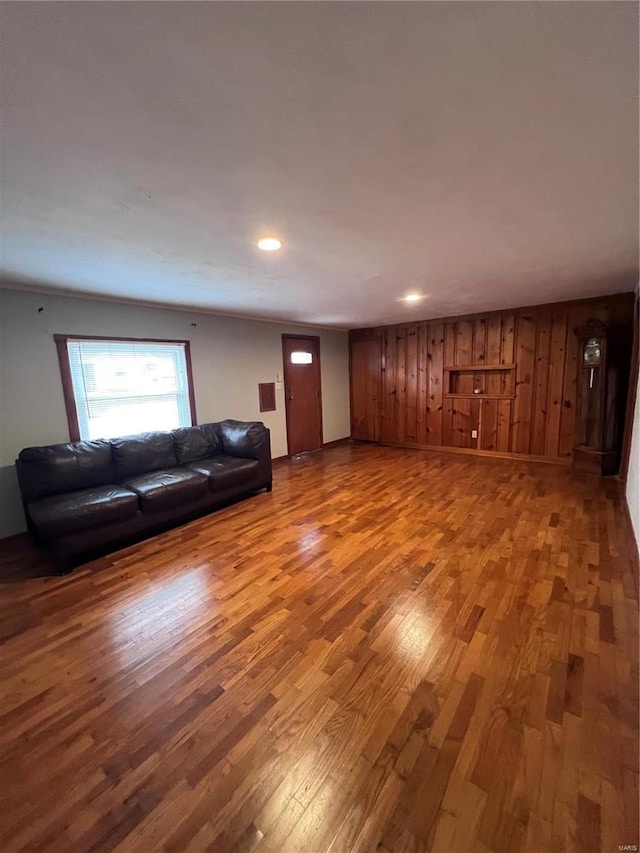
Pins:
x: 484, y: 154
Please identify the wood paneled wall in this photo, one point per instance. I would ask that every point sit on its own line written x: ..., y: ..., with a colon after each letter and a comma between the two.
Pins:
x: 405, y: 388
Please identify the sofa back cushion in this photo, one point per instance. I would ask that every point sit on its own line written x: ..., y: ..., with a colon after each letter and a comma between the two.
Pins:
x: 138, y: 454
x: 59, y: 468
x: 197, y: 442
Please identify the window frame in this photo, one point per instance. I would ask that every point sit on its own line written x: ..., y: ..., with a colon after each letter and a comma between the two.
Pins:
x: 61, y: 342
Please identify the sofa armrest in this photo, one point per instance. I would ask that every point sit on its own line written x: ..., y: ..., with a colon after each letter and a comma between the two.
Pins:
x: 246, y: 439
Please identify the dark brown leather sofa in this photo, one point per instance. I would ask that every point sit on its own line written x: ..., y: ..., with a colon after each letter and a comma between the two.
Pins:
x: 90, y: 495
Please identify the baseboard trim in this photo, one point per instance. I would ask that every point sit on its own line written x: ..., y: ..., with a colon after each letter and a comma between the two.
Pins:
x: 338, y: 441
x: 635, y: 545
x: 15, y: 537
x: 327, y: 445
x: 469, y: 451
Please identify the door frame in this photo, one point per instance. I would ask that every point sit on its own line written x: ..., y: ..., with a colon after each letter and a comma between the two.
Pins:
x: 315, y: 339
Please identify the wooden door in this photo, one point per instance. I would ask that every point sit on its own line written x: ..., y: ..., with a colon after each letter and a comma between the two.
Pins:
x: 366, y: 365
x: 303, y: 394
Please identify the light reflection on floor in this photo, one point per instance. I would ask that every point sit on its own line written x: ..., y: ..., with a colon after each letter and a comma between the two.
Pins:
x: 414, y: 633
x: 310, y: 540
x: 162, y: 613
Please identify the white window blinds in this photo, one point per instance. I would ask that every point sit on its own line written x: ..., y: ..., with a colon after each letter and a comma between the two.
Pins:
x: 123, y: 387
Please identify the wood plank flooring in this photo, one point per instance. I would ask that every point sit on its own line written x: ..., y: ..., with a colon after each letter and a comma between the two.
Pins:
x: 395, y: 651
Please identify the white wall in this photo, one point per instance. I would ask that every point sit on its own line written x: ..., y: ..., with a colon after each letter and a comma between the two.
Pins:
x: 633, y: 477
x: 230, y: 357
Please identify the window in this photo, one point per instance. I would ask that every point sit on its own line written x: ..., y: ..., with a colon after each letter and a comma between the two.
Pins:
x: 301, y: 357
x: 122, y: 386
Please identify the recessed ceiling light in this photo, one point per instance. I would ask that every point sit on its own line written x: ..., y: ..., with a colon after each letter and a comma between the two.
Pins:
x: 269, y: 244
x: 412, y: 297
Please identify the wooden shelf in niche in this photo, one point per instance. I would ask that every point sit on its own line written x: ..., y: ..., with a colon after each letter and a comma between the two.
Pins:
x: 482, y: 381
x: 481, y: 396
x: 486, y: 367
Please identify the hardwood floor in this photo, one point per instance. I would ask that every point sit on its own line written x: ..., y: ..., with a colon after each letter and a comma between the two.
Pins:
x: 394, y: 651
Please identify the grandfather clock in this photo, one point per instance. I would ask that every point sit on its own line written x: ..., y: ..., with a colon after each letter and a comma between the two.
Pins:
x: 597, y: 407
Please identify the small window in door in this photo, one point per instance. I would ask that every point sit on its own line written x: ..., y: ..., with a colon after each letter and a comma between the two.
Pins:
x: 301, y: 358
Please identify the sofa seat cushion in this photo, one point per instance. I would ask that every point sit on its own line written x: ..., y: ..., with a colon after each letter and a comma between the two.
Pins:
x: 226, y: 472
x: 162, y: 490
x: 62, y: 515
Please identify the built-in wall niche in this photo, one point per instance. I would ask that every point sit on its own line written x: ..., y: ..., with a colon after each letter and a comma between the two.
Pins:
x: 496, y: 382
